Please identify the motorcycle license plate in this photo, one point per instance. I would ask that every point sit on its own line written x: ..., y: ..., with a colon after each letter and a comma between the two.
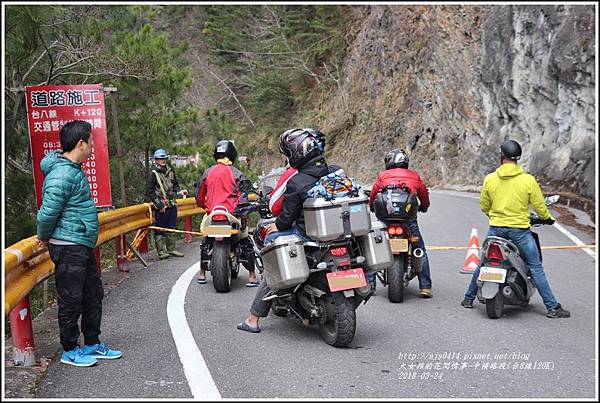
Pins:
x: 346, y: 280
x: 492, y: 274
x: 399, y: 245
x: 218, y: 231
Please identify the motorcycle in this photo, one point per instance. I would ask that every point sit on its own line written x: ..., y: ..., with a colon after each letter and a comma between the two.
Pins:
x: 504, y: 277
x: 327, y: 293
x: 408, y: 257
x: 223, y: 232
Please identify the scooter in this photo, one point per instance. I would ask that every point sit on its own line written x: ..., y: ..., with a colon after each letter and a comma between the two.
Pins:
x: 504, y: 277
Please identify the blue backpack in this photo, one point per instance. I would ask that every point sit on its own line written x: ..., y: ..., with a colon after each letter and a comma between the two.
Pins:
x: 335, y: 184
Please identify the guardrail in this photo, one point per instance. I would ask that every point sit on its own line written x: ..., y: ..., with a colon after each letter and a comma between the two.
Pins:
x: 27, y: 264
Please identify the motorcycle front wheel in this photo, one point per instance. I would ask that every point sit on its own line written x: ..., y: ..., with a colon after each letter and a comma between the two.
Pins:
x: 495, y: 306
x: 340, y: 325
x: 219, y: 267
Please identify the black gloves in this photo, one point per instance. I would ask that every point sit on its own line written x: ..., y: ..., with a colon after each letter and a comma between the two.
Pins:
x: 423, y: 209
x: 549, y: 221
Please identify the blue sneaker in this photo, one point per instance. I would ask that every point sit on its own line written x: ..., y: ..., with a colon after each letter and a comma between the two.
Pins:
x: 101, y: 351
x: 77, y: 357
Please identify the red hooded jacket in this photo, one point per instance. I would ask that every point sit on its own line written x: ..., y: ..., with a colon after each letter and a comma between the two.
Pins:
x: 219, y: 187
x: 399, y: 176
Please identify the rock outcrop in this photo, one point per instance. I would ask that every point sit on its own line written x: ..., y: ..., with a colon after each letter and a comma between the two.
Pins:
x: 449, y: 83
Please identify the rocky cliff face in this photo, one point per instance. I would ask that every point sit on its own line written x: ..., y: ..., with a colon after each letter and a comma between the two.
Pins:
x: 450, y: 83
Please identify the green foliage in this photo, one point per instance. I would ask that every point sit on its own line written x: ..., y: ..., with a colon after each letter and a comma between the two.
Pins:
x: 279, y: 56
x: 47, y: 44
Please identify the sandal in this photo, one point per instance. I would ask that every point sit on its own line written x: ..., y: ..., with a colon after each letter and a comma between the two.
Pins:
x: 247, y: 328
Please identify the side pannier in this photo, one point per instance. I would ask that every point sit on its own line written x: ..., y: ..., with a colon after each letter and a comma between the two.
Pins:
x: 284, y: 262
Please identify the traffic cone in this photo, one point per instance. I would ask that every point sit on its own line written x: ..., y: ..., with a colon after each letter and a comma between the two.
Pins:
x: 472, y: 259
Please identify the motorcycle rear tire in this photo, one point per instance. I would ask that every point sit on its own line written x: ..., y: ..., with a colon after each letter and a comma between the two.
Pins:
x: 339, y: 329
x: 494, y: 307
x: 219, y: 267
x: 395, y: 279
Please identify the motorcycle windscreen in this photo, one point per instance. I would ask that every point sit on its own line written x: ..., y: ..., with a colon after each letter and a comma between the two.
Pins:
x: 346, y: 280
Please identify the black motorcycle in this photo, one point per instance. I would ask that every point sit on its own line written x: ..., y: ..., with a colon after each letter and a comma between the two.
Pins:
x: 327, y: 293
x: 394, y: 207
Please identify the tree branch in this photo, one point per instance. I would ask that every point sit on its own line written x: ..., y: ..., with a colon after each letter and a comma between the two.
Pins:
x: 231, y: 92
x: 36, y: 62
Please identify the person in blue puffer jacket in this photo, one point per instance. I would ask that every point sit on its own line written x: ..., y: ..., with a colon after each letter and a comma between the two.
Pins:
x: 68, y: 226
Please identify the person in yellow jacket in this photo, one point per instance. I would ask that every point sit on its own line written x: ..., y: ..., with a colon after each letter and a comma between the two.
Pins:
x: 505, y: 198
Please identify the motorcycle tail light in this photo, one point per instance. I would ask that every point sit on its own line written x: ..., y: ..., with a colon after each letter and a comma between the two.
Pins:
x: 339, y: 251
x: 494, y: 253
x: 396, y: 230
x: 219, y: 217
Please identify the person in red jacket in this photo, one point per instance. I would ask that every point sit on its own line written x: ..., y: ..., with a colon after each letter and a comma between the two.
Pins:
x: 397, y: 174
x: 218, y: 186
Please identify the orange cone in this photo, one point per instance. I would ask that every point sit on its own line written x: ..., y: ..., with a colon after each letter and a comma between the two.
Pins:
x: 472, y: 259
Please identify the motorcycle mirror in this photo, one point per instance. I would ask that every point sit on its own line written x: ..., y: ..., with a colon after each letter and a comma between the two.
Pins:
x: 552, y: 199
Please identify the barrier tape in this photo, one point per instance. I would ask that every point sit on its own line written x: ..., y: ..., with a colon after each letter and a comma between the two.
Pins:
x: 543, y: 247
x: 233, y: 231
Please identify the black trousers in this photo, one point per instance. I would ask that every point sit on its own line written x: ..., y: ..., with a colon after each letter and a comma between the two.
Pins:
x: 80, y: 293
x: 168, y: 219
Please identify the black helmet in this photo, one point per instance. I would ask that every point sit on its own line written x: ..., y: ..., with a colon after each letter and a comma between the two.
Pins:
x: 225, y: 148
x: 396, y: 159
x: 317, y: 134
x: 511, y: 150
x: 299, y: 146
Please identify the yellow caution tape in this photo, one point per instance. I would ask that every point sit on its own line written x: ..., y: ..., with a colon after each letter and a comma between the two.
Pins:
x: 474, y: 247
x: 233, y: 231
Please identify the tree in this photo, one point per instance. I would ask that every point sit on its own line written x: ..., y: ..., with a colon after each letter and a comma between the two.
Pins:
x: 81, y: 44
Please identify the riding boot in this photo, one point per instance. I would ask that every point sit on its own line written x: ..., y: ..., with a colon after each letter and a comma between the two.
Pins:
x: 171, y: 246
x: 161, y: 247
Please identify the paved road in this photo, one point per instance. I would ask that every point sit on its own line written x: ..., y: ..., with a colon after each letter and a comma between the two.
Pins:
x: 393, y: 354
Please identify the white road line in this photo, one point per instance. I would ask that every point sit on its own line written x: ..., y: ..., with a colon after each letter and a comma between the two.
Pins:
x: 574, y: 239
x: 556, y: 225
x: 199, y: 379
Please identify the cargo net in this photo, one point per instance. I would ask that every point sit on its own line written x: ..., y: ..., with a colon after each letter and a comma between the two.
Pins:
x: 334, y: 185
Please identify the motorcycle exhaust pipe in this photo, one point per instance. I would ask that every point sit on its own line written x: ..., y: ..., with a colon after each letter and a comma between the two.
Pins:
x: 417, y: 259
x: 507, y: 291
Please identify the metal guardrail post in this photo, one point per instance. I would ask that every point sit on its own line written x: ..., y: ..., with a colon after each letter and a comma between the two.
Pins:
x: 143, y: 248
x: 22, y: 334
x: 120, y: 251
x: 188, y: 227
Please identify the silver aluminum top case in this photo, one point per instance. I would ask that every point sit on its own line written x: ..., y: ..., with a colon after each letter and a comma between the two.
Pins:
x: 328, y: 220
